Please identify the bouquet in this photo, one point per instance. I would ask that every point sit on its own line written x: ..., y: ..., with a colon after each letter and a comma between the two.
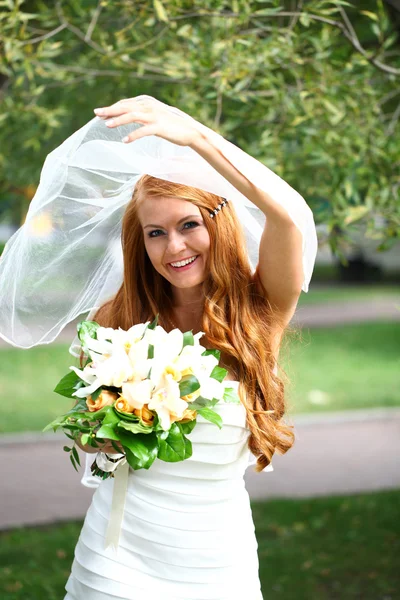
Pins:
x: 142, y: 390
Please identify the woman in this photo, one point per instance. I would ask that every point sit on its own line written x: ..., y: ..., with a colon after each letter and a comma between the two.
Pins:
x: 187, y: 530
x: 177, y: 195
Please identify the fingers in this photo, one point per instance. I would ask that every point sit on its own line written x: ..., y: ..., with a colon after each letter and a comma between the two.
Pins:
x: 129, y: 117
x: 139, y: 133
x: 124, y: 105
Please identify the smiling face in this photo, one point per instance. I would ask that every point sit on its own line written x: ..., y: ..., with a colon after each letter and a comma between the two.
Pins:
x: 174, y: 231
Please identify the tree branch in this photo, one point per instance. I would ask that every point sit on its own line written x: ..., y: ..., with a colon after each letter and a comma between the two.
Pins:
x: 113, y: 73
x: 79, y: 33
x: 353, y: 40
x: 93, y: 22
x: 46, y: 36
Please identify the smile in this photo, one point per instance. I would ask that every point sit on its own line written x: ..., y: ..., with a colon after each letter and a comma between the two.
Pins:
x: 180, y: 264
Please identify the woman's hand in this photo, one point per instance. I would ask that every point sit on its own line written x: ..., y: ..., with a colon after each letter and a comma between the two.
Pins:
x: 155, y: 117
x: 107, y: 448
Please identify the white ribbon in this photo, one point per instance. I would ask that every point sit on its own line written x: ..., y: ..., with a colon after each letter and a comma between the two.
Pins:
x: 121, y: 469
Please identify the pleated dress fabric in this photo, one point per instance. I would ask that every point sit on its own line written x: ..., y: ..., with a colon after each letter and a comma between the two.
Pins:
x: 187, y: 531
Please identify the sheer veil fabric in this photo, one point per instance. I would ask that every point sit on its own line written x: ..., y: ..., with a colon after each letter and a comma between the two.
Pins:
x: 66, y: 259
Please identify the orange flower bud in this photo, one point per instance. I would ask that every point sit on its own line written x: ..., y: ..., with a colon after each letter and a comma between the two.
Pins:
x: 145, y: 415
x: 105, y: 398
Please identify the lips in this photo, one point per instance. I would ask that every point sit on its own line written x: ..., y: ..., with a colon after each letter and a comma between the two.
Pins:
x: 184, y: 267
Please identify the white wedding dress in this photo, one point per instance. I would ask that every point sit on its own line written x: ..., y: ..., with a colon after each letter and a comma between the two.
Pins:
x: 187, y: 531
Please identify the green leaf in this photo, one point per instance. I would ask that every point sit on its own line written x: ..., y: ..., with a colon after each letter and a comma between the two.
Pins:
x: 153, y: 325
x: 111, y: 418
x: 219, y: 373
x: 160, y: 11
x: 98, y: 414
x: 66, y: 449
x: 150, y: 351
x: 188, y: 384
x: 126, y: 416
x: 84, y: 439
x: 211, y: 416
x: 76, y: 455
x: 114, y: 445
x: 73, y: 462
x: 80, y: 405
x: 212, y: 351
x: 173, y: 448
x: 201, y: 402
x: 231, y: 395
x: 56, y: 424
x: 107, y: 432
x: 87, y: 329
x: 67, y: 385
x: 135, y: 427
x: 187, y: 427
x: 188, y: 339
x: 141, y: 445
x: 96, y: 394
x: 136, y: 463
x: 370, y: 15
x: 188, y: 447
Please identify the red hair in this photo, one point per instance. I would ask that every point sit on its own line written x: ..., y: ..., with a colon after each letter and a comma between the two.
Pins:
x: 237, y: 318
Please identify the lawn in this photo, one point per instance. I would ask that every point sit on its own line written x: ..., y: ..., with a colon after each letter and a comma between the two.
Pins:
x: 340, y: 292
x: 347, y: 367
x: 338, y: 548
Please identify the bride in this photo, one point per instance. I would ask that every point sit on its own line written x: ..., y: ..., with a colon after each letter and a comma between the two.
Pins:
x: 186, y: 531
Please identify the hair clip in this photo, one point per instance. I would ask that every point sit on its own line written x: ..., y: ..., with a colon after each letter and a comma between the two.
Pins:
x: 216, y: 210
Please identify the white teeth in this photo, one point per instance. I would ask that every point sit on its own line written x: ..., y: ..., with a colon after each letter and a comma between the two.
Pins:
x: 182, y: 263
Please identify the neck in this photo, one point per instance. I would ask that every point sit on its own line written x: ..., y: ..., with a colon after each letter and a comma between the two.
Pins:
x: 188, y: 306
x: 188, y: 298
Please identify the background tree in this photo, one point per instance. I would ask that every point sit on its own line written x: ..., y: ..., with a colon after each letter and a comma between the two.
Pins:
x: 310, y: 88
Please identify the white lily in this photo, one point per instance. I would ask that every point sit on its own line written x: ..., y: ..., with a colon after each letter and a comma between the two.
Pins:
x: 137, y: 393
x: 166, y: 400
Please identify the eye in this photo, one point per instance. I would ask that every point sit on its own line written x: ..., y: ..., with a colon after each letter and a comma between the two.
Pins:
x: 154, y: 231
x: 190, y: 223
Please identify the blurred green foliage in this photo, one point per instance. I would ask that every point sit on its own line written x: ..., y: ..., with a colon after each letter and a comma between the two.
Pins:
x: 309, y: 88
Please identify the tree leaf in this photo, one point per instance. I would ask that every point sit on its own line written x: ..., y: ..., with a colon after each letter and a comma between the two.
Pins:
x: 160, y: 11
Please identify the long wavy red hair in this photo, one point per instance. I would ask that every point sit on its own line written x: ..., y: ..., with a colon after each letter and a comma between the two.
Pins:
x: 237, y: 318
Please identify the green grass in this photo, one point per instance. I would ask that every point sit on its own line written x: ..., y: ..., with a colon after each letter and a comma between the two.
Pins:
x: 342, y: 548
x: 347, y: 367
x: 27, y: 379
x: 348, y: 293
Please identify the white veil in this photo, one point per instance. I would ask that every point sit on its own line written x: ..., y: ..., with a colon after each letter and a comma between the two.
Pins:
x: 66, y: 259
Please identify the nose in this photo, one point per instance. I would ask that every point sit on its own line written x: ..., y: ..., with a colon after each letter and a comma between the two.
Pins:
x: 176, y: 243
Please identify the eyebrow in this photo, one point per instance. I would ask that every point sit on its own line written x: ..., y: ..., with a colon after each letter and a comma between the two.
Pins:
x: 180, y: 221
